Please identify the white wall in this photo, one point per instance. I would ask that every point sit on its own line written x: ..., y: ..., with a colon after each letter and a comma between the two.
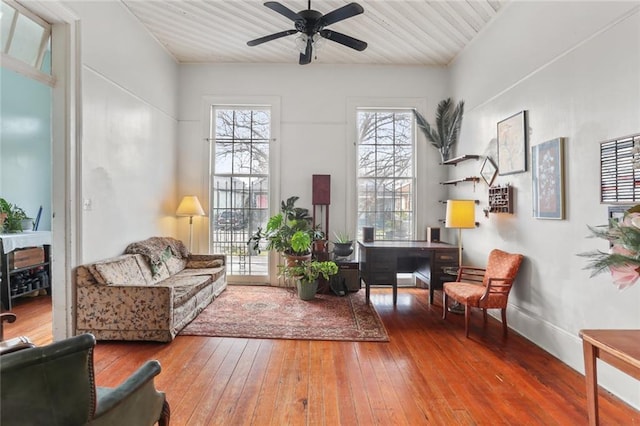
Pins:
x: 575, y: 67
x: 129, y: 131
x: 317, y: 132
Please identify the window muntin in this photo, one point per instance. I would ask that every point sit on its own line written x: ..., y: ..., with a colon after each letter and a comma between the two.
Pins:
x: 240, y: 185
x: 386, y: 173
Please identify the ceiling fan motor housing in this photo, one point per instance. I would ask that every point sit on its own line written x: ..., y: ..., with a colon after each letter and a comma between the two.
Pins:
x: 310, y: 22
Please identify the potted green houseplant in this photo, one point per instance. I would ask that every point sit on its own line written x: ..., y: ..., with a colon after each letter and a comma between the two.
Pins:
x: 13, y: 217
x: 342, y: 244
x: 448, y: 123
x: 306, y: 274
x: 289, y: 232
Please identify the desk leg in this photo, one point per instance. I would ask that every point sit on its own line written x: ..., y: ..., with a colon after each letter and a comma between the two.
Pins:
x: 591, y: 379
x: 367, y: 290
x: 395, y: 293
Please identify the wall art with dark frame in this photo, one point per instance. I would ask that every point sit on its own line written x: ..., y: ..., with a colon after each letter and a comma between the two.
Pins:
x: 512, y: 144
x: 547, y: 172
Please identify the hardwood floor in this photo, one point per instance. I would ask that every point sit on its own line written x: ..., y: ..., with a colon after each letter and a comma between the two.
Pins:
x: 428, y: 373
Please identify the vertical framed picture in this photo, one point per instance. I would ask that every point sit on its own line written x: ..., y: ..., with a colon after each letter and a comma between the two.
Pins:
x: 547, y: 166
x: 512, y: 144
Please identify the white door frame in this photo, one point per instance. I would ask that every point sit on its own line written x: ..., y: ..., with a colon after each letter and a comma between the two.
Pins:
x: 66, y: 161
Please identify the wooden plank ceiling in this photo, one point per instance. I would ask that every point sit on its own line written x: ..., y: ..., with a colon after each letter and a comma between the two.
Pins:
x: 398, y: 32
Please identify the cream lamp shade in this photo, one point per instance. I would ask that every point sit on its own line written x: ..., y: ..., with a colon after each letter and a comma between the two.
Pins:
x: 461, y: 214
x: 190, y: 206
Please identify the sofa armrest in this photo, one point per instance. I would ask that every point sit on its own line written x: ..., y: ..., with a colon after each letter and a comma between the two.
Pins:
x: 123, y: 307
x: 198, y: 261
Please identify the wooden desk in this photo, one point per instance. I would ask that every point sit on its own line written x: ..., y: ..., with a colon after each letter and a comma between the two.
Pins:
x: 379, y: 263
x: 619, y: 348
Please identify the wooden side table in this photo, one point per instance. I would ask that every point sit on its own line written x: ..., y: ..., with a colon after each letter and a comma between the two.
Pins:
x: 619, y: 348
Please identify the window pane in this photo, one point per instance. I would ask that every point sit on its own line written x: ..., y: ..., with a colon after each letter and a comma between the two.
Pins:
x: 7, y: 18
x: 386, y: 173
x: 25, y: 44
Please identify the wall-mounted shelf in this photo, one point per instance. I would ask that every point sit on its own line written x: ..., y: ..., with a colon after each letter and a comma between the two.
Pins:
x: 473, y: 179
x: 456, y: 160
x: 501, y: 199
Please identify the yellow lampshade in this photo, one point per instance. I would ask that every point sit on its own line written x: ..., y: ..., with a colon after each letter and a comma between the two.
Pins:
x: 461, y: 214
x: 190, y: 206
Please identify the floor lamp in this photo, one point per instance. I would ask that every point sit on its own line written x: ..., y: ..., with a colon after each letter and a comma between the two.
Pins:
x: 460, y: 214
x: 190, y: 206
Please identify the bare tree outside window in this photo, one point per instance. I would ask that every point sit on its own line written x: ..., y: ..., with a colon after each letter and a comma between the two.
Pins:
x: 239, y: 185
x: 386, y: 173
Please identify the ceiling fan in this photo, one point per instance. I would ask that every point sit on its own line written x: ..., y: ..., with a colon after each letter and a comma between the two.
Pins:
x: 311, y: 24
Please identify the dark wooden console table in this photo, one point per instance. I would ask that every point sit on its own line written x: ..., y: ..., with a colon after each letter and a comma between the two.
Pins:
x: 619, y: 348
x: 381, y: 261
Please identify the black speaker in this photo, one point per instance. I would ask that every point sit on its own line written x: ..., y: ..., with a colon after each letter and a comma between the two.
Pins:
x: 321, y: 188
x: 433, y: 234
x: 367, y: 234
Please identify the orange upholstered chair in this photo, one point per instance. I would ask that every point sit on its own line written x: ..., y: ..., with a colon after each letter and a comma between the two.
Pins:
x: 484, y: 288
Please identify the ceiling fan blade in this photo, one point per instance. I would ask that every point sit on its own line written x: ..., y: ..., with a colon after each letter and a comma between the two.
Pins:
x: 283, y: 10
x: 344, y: 12
x: 270, y: 37
x: 344, y: 39
x: 305, y: 58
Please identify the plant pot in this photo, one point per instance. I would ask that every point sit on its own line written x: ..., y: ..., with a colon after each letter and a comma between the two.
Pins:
x: 292, y: 260
x: 343, y: 249
x: 307, y: 290
x: 27, y: 224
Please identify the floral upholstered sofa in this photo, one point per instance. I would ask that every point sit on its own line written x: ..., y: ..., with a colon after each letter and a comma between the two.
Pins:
x: 149, y: 293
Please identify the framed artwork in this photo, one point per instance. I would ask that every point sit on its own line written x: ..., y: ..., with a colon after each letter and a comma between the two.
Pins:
x: 512, y: 144
x: 547, y: 165
x: 488, y: 171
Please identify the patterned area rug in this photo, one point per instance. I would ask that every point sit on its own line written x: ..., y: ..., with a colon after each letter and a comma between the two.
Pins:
x: 278, y: 313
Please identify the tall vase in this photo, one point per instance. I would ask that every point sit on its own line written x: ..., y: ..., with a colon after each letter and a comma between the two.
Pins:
x: 445, y: 153
x: 307, y: 289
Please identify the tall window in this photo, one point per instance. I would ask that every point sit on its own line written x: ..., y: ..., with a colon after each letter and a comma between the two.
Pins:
x: 240, y: 184
x: 386, y: 173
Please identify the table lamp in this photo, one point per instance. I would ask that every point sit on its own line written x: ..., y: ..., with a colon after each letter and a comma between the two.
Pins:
x: 190, y: 206
x: 460, y: 214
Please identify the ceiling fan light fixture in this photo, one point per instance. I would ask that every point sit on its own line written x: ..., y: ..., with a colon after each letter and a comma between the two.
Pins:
x: 301, y: 43
x: 318, y: 41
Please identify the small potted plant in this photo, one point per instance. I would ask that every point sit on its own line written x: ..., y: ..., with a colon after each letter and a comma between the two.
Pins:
x: 13, y: 217
x: 342, y: 244
x: 306, y: 274
x: 288, y: 232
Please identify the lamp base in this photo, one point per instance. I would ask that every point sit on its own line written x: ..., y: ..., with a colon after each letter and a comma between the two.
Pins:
x: 456, y: 308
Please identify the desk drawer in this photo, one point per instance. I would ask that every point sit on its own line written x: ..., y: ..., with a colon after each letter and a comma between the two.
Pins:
x: 446, y: 257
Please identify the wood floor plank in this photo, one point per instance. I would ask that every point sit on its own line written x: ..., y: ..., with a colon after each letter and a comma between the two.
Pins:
x: 428, y: 373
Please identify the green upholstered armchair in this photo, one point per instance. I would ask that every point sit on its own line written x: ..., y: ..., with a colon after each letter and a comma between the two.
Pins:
x: 55, y: 385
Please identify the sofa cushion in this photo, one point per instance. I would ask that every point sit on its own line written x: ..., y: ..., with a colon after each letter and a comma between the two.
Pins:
x: 204, y: 263
x: 185, y: 286
x: 214, y: 273
x: 175, y: 264
x: 119, y: 270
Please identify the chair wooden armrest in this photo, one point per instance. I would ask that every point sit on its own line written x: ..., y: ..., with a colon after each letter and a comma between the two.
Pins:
x: 496, y: 286
x: 6, y: 317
